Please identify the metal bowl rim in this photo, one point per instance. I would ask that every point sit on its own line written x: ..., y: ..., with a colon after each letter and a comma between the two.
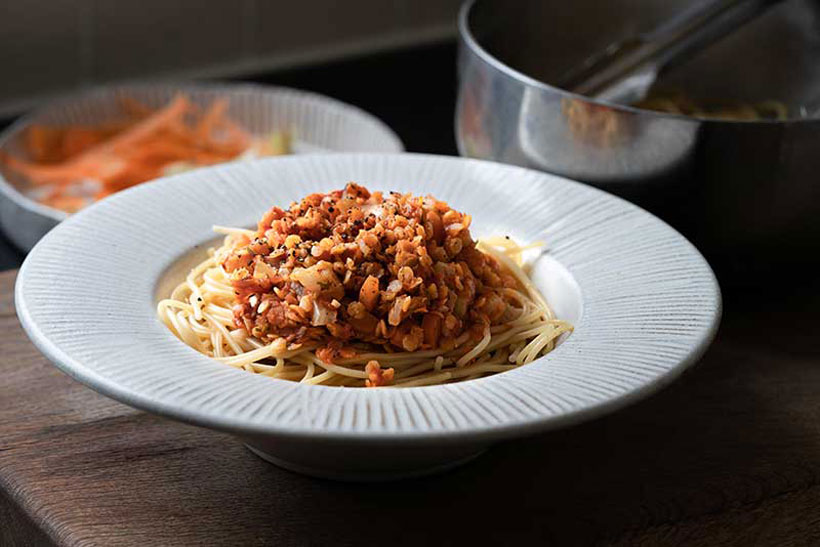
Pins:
x: 469, y: 41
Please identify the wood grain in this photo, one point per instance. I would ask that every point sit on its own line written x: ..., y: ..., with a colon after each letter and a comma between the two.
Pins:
x: 729, y: 455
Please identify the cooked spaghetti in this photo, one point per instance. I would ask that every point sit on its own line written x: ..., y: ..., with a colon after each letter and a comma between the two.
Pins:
x: 353, y: 288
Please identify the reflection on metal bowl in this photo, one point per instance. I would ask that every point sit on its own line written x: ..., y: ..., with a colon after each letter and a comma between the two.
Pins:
x: 596, y: 142
x: 742, y: 190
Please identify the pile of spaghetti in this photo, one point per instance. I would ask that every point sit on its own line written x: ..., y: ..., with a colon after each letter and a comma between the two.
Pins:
x: 69, y: 167
x: 353, y: 288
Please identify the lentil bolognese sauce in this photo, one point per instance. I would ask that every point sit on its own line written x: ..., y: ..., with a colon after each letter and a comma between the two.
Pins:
x: 354, y: 288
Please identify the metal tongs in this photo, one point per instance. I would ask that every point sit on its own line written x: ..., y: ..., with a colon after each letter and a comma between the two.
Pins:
x: 626, y: 70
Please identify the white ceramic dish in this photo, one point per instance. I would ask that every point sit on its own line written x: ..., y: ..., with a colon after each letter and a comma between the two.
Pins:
x: 644, y: 302
x: 318, y: 124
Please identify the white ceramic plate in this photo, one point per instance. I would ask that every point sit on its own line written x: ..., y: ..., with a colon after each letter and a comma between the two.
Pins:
x: 644, y: 302
x: 318, y: 124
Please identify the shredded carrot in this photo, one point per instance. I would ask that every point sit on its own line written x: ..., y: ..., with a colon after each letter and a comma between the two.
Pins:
x: 120, y: 154
x: 211, y: 117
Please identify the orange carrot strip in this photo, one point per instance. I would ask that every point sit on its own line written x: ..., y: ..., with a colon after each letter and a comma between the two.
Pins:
x: 236, y: 135
x: 141, y: 129
x: 45, y: 174
x: 213, y: 115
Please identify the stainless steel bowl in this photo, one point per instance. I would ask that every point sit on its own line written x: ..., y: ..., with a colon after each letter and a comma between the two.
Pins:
x: 744, y: 190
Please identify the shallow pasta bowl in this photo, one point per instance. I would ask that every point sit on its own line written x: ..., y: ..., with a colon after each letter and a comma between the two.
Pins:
x: 644, y: 303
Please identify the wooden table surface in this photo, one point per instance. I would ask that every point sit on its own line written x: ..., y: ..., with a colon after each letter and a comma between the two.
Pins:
x: 729, y: 455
